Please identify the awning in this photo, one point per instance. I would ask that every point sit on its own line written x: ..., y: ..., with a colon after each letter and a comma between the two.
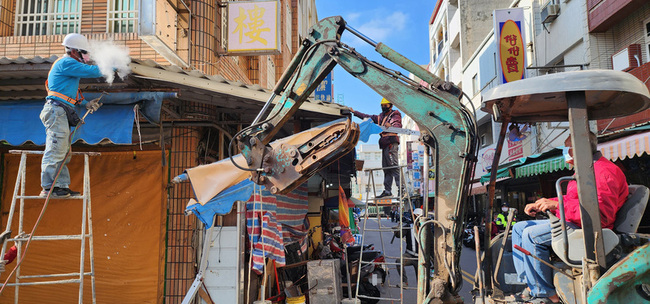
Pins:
x: 540, y: 166
x: 626, y: 147
x: 502, y: 173
x: 544, y: 166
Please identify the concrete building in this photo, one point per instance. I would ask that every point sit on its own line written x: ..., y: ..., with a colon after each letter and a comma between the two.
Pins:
x: 619, y: 34
x: 146, y: 248
x: 371, y: 156
x: 456, y: 29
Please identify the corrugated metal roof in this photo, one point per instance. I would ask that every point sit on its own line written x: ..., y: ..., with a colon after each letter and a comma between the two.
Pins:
x: 23, y: 78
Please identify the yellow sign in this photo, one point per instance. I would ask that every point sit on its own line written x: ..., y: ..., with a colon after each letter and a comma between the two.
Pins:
x: 253, y: 27
x: 512, y: 51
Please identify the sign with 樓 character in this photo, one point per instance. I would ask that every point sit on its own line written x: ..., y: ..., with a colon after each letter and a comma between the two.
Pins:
x: 253, y: 27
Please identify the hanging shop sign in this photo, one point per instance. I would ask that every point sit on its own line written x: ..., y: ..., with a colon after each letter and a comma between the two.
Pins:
x: 510, y: 42
x: 253, y: 27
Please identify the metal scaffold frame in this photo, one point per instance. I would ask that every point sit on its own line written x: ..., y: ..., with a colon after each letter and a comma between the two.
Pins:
x: 22, y: 237
x: 403, y: 193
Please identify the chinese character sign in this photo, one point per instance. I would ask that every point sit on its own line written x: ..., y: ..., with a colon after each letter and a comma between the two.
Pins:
x: 253, y: 27
x: 324, y: 91
x: 511, y: 47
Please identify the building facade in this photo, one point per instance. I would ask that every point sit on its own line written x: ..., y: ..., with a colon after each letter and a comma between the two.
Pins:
x: 175, y: 46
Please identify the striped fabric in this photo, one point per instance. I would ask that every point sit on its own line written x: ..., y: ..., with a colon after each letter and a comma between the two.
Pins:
x: 283, y: 220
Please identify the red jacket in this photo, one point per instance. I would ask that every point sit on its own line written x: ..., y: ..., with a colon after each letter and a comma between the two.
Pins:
x: 612, y: 189
x: 394, y: 118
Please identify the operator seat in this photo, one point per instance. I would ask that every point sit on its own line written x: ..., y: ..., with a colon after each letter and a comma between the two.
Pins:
x: 628, y: 219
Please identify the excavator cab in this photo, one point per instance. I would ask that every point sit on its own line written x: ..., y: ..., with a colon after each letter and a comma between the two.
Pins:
x: 597, y: 265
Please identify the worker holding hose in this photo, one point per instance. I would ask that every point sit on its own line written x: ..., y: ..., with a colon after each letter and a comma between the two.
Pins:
x: 59, y: 115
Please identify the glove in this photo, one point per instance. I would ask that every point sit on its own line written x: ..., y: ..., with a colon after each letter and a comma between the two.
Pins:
x: 93, y: 105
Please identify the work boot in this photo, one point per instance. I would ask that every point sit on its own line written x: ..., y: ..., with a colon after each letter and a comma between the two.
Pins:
x: 384, y: 194
x: 56, y: 193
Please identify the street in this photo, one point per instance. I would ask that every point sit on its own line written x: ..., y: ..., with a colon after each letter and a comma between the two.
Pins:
x: 392, y: 251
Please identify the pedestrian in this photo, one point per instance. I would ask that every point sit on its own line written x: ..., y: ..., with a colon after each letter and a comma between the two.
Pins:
x: 388, y: 143
x: 59, y: 115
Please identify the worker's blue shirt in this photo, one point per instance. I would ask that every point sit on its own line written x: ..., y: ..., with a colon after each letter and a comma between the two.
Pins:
x: 64, y: 77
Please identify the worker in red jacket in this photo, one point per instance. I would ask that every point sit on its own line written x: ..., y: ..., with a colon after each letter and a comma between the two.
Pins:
x: 535, y: 236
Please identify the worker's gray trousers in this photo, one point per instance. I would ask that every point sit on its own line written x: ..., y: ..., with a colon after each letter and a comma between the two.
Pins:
x: 389, y: 159
x: 57, y: 143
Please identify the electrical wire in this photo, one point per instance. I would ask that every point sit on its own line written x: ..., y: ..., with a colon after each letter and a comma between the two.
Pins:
x: 47, y: 200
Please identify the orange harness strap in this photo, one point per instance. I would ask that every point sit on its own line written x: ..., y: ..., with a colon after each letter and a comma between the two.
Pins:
x: 74, y: 101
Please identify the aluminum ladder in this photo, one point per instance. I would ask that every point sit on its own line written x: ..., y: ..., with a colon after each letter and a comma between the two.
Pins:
x: 374, y: 202
x: 21, y: 238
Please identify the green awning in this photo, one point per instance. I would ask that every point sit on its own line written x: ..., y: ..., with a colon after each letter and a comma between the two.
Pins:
x: 544, y: 166
x: 502, y: 173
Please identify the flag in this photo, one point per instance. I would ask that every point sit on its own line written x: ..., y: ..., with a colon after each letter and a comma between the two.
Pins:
x: 344, y: 216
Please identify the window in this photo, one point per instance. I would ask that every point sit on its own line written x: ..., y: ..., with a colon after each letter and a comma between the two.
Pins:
x: 475, y: 86
x: 122, y: 16
x: 485, y: 133
x: 47, y: 17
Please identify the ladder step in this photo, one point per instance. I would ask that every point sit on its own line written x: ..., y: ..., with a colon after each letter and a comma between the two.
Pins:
x: 50, y: 237
x: 378, y: 298
x: 43, y: 152
x: 379, y: 263
x: 70, y: 281
x: 405, y: 258
x: 74, y: 274
x: 36, y: 197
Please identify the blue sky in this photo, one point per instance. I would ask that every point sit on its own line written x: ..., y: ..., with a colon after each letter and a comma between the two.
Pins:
x: 402, y: 25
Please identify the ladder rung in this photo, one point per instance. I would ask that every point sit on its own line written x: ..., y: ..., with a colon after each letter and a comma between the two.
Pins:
x: 378, y: 298
x: 54, y: 275
x: 42, y: 152
x: 34, y: 197
x: 46, y: 282
x: 50, y: 237
x: 409, y: 259
x: 379, y: 263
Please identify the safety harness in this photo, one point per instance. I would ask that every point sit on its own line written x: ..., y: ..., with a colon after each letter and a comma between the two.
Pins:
x: 74, y: 101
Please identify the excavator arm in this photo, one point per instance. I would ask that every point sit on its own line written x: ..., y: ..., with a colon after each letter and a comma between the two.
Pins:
x: 448, y: 130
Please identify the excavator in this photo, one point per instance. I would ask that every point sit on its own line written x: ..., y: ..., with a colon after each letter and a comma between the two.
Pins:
x: 449, y: 133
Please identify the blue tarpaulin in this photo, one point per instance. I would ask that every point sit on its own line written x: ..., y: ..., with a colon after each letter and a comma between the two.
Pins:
x: 367, y: 128
x: 222, y: 203
x: 21, y: 123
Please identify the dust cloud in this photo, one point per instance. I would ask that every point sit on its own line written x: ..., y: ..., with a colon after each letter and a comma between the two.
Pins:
x: 110, y: 58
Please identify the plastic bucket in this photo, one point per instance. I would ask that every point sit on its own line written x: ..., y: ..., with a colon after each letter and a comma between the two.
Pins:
x: 296, y: 300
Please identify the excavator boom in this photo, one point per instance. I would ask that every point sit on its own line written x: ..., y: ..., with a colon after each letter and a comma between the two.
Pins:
x: 447, y: 127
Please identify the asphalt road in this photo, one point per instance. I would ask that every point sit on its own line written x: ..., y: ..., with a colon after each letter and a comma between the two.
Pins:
x: 392, y: 251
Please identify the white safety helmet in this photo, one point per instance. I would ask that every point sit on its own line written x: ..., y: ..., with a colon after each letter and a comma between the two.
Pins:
x: 417, y: 212
x: 76, y: 41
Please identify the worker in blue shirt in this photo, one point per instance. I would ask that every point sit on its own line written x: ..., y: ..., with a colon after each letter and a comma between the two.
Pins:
x: 59, y: 114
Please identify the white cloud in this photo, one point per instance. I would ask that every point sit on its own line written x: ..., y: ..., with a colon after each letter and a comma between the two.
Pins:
x: 379, y: 28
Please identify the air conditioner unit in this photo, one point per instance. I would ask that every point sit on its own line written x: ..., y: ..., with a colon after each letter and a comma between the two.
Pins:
x: 627, y: 58
x: 550, y: 13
